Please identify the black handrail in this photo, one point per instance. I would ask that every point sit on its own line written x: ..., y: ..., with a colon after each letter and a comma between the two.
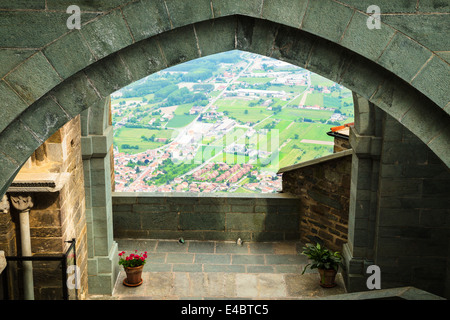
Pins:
x: 57, y: 257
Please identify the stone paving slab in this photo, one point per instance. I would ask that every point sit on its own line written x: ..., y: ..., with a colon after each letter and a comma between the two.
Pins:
x: 226, y: 285
x: 222, y: 270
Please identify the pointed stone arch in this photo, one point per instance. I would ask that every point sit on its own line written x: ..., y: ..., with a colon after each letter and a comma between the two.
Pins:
x: 389, y: 69
x: 51, y: 107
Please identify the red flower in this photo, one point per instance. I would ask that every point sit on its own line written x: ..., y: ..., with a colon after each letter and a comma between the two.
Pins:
x: 133, y: 260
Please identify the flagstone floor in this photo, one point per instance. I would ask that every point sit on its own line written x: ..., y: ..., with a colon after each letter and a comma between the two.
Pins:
x: 222, y: 270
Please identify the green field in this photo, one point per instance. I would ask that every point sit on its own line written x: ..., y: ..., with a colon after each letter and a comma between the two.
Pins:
x: 282, y: 125
x: 132, y: 137
x: 263, y: 123
x: 321, y: 81
x: 239, y: 109
x: 243, y: 190
x: 313, y: 99
x: 329, y: 101
x: 302, y: 153
x: 317, y: 131
x: 289, y: 89
x: 289, y: 113
x: 181, y: 119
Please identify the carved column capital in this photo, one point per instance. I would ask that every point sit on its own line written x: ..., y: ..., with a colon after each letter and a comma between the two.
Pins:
x: 21, y: 202
x: 4, y: 204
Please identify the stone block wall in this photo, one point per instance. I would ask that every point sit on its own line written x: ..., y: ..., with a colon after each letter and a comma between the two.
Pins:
x: 323, y: 189
x: 399, y: 212
x: 262, y: 217
x: 7, y: 234
x: 73, y: 215
x: 55, y: 217
x: 7, y: 243
x: 341, y: 144
x: 413, y: 230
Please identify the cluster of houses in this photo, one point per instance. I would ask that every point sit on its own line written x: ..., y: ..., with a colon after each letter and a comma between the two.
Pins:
x: 235, y: 173
x: 223, y: 174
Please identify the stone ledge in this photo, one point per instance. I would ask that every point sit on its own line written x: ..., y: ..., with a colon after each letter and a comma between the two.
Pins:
x: 330, y: 157
x: 202, y: 195
x: 365, y: 145
x: 39, y: 182
x: 97, y: 146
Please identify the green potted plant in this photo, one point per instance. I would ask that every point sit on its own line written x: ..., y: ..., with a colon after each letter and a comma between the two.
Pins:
x: 325, y: 260
x: 133, y: 265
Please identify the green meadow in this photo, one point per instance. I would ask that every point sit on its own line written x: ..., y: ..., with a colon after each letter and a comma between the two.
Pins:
x: 132, y: 137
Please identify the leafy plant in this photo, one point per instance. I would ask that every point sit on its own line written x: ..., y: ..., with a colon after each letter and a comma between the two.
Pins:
x: 132, y: 260
x: 322, y: 257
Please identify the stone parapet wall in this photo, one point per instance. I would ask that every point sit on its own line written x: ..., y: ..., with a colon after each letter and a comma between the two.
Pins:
x: 261, y: 217
x: 323, y: 188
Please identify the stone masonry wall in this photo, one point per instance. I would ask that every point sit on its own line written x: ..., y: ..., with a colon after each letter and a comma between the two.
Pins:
x: 8, y: 245
x: 341, y: 144
x: 73, y: 215
x: 55, y: 217
x: 324, y: 192
x: 413, y: 230
x: 262, y: 217
x: 7, y: 234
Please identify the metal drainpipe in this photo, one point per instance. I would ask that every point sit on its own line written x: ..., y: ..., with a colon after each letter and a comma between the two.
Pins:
x: 24, y: 203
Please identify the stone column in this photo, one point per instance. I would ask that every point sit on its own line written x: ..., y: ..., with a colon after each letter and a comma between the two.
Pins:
x: 23, y: 203
x: 365, y: 139
x: 96, y: 146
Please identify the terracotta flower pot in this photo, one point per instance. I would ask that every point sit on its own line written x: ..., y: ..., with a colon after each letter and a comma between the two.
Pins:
x: 134, y: 276
x: 327, y: 277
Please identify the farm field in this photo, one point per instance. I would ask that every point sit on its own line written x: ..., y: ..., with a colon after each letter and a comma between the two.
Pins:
x: 132, y: 137
x: 290, y: 113
x: 181, y: 116
x: 240, y: 110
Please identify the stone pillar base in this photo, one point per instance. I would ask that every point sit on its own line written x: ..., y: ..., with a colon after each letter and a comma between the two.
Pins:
x: 354, y: 270
x: 103, y: 272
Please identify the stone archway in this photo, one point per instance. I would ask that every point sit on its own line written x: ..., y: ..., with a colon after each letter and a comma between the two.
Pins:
x: 388, y: 68
x: 51, y: 107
